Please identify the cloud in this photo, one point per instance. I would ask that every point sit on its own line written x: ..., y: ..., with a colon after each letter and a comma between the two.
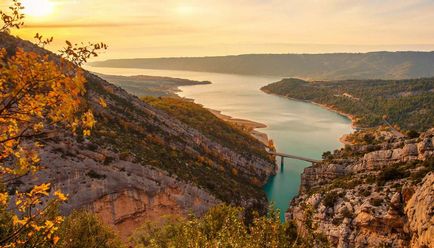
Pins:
x: 78, y: 25
x: 180, y: 27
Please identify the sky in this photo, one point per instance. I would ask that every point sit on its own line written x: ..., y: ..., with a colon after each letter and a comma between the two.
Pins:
x: 172, y: 28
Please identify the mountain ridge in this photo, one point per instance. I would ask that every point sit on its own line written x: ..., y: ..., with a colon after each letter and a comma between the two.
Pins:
x: 332, y: 66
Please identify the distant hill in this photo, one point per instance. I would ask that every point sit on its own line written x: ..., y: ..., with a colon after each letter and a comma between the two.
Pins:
x: 374, y: 65
x: 149, y: 85
x: 407, y: 103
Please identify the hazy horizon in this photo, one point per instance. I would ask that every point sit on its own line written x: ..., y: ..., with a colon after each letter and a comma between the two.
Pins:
x: 247, y: 54
x: 193, y: 28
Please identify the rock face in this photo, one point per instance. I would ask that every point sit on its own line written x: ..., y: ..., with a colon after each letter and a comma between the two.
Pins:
x: 125, y: 194
x: 420, y: 212
x: 378, y: 195
x: 141, y: 163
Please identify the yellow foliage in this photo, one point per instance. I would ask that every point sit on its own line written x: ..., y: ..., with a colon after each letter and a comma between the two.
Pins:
x: 4, y: 197
x: 60, y: 196
x: 37, y: 96
x: 102, y: 102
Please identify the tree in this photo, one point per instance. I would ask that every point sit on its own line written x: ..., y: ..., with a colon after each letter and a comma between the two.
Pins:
x: 327, y: 155
x: 14, y: 19
x: 37, y: 97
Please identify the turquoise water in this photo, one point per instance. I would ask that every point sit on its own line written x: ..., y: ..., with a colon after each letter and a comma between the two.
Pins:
x: 296, y: 127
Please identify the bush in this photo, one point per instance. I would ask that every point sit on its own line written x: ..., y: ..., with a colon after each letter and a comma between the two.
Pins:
x: 330, y: 199
x: 368, y: 138
x: 346, y: 213
x: 124, y: 156
x: 365, y: 192
x: 327, y: 155
x: 84, y: 229
x: 92, y: 146
x: 412, y: 134
x: 108, y: 160
x: 337, y: 221
x: 391, y: 173
x: 222, y: 226
x: 95, y: 175
x: 376, y: 202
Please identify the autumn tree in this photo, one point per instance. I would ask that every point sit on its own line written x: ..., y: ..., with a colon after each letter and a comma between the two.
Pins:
x: 38, y: 96
x: 14, y: 19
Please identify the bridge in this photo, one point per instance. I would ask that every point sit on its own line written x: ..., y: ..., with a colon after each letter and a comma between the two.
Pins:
x: 283, y: 155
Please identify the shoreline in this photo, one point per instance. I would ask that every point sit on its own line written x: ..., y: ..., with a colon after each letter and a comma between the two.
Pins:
x: 248, y: 125
x: 344, y: 138
x: 352, y: 118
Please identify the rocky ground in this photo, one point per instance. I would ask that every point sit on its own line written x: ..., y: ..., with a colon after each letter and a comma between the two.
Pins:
x: 378, y: 192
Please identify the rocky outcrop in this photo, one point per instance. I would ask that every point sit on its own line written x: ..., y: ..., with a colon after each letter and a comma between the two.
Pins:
x: 420, y: 213
x: 125, y: 194
x: 365, y: 197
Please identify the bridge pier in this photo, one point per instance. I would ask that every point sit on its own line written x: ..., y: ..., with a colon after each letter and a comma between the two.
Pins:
x: 282, y: 163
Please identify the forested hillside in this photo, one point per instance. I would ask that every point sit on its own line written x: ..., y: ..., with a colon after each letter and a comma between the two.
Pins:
x: 407, y: 103
x: 149, y: 85
x: 214, y: 128
x: 335, y: 66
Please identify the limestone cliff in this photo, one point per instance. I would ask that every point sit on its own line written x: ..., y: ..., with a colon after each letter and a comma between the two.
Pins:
x: 370, y: 195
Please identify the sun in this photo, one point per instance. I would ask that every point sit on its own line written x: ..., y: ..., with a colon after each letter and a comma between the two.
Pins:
x: 38, y: 8
x: 185, y: 9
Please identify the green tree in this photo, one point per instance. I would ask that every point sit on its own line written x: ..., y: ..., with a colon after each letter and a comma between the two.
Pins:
x: 84, y: 229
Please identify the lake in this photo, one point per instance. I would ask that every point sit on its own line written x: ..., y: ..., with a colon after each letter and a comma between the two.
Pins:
x: 296, y: 127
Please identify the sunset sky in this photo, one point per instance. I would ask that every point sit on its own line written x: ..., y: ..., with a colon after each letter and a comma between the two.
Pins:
x: 219, y: 27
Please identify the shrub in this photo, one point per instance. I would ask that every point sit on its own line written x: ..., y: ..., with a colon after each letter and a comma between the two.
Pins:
x: 327, y: 155
x: 376, y: 202
x: 124, y: 156
x: 391, y: 173
x: 108, y: 160
x: 368, y: 138
x: 92, y: 146
x: 95, y: 175
x: 419, y: 175
x: 365, y: 192
x: 84, y: 229
x: 330, y: 199
x: 346, y: 213
x: 337, y: 221
x: 222, y: 226
x: 412, y: 134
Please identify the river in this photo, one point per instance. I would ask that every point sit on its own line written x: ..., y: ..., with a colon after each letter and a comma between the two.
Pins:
x: 296, y: 127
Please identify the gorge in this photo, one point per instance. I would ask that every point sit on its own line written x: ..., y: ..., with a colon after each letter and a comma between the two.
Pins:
x: 295, y: 127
